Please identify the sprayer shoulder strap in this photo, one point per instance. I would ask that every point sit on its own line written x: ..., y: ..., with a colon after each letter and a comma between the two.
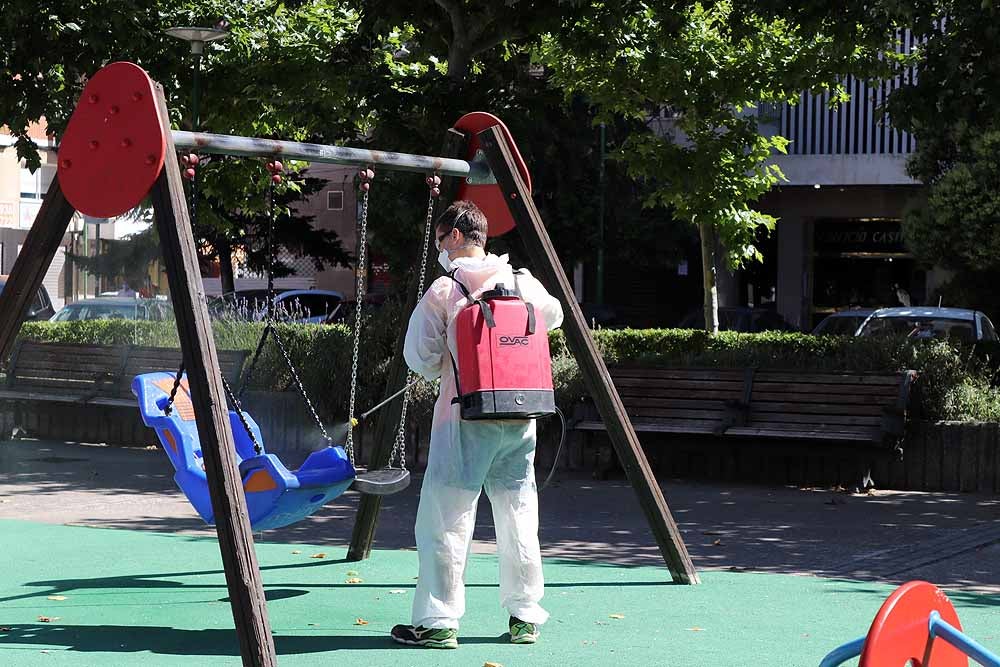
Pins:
x: 530, y: 308
x: 483, y: 306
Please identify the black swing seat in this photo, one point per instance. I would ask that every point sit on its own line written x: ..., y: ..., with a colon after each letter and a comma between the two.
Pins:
x: 382, y: 482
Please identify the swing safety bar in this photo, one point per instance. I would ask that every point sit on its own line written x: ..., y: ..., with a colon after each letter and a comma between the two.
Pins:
x: 937, y: 628
x: 224, y: 144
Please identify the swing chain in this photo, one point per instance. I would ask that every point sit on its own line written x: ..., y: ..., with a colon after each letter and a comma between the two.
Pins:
x: 366, y: 175
x: 168, y: 408
x: 399, y: 446
x: 239, y: 413
x: 298, y: 384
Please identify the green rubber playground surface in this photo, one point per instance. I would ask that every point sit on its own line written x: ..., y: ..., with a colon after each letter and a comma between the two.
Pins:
x: 86, y: 597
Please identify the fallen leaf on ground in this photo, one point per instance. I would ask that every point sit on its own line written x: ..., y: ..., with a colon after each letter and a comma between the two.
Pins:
x: 491, y: 664
x: 297, y: 551
x: 717, y: 543
x: 48, y: 619
x: 57, y: 597
x: 318, y: 556
x: 618, y: 616
x: 696, y: 629
x: 397, y: 591
x: 354, y: 580
x: 360, y: 621
x: 352, y: 573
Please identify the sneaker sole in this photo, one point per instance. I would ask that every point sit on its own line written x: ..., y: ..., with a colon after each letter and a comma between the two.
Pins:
x: 526, y: 639
x: 426, y: 644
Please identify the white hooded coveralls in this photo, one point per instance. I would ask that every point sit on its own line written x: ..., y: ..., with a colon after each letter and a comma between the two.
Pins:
x: 466, y: 456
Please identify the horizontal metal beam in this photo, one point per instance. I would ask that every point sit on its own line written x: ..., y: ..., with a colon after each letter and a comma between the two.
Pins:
x: 224, y: 144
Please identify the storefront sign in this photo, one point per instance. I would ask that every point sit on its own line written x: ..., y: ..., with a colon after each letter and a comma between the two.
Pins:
x: 839, y: 236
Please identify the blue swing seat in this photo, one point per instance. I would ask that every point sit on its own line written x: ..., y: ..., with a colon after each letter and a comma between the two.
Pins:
x: 276, y: 496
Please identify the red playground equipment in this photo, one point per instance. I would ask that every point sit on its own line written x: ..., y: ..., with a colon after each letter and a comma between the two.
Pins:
x: 917, y: 626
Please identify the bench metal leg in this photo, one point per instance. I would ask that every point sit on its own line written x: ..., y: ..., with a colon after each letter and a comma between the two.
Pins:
x: 863, y: 477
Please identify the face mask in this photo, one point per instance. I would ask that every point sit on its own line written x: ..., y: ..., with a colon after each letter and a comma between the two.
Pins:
x: 444, y: 260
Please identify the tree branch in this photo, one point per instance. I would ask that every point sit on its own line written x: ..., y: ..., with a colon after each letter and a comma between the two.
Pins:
x: 454, y: 11
x: 496, y: 39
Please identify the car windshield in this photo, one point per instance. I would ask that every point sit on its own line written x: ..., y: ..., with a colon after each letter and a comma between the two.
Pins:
x: 920, y: 327
x: 102, y: 311
x: 844, y: 325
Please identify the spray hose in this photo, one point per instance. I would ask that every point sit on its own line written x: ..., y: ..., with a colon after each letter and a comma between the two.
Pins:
x: 562, y: 439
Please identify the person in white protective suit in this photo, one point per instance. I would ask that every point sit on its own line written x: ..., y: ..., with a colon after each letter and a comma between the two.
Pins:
x: 468, y: 456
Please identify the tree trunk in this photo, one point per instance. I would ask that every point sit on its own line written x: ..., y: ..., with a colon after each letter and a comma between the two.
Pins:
x: 459, y: 58
x: 226, y: 274
x: 708, y: 273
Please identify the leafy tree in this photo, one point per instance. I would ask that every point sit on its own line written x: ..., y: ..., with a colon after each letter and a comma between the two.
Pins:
x: 710, y: 64
x: 953, y: 108
x: 126, y: 260
x: 276, y: 75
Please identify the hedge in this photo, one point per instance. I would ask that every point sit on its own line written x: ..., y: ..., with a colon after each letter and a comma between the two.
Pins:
x: 955, y: 383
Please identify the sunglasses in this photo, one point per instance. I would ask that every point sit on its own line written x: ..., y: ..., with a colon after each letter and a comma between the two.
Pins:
x: 437, y: 244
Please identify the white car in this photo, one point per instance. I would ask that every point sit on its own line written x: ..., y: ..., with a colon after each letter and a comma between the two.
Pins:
x: 957, y: 324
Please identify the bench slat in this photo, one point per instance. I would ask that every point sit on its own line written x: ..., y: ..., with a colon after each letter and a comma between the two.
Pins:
x: 693, y: 426
x: 800, y: 418
x: 675, y: 373
x: 858, y: 409
x: 872, y: 436
x: 678, y: 384
x: 828, y: 378
x: 793, y: 390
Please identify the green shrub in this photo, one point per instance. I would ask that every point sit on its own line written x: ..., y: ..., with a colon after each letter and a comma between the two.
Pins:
x: 955, y: 383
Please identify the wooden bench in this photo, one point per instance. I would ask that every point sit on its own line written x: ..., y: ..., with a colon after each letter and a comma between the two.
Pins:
x: 692, y: 401
x: 83, y: 392
x: 861, y: 413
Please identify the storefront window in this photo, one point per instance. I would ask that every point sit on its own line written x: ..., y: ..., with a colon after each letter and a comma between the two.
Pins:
x: 862, y: 263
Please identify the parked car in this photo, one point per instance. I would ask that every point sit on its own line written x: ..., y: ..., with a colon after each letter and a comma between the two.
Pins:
x: 111, y: 308
x: 842, y: 323
x: 739, y: 318
x: 40, y: 307
x: 345, y: 314
x: 956, y: 324
x: 304, y: 306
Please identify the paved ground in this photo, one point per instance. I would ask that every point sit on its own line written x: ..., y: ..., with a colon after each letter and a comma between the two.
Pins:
x: 82, y: 597
x: 950, y: 539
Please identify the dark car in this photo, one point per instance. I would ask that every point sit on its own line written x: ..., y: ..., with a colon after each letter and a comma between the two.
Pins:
x: 40, y: 307
x: 312, y: 306
x: 345, y: 313
x: 842, y: 323
x: 115, y: 308
x: 739, y: 318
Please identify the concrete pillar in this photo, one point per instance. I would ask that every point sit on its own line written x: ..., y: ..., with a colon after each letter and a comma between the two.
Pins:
x: 793, y: 270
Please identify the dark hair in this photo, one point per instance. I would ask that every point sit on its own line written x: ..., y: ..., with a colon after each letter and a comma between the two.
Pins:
x: 466, y: 218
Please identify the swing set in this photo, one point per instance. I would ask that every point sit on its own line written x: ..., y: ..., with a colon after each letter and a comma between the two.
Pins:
x: 118, y: 148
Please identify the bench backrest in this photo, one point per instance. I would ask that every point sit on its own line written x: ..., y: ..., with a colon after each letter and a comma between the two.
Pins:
x: 840, y: 402
x: 694, y: 396
x: 97, y: 370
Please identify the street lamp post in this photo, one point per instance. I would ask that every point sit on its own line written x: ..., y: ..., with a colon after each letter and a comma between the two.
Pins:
x: 197, y: 38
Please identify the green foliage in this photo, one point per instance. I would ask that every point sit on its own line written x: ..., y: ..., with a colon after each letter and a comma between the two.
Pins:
x: 956, y: 226
x: 279, y: 73
x: 954, y: 383
x: 709, y: 63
